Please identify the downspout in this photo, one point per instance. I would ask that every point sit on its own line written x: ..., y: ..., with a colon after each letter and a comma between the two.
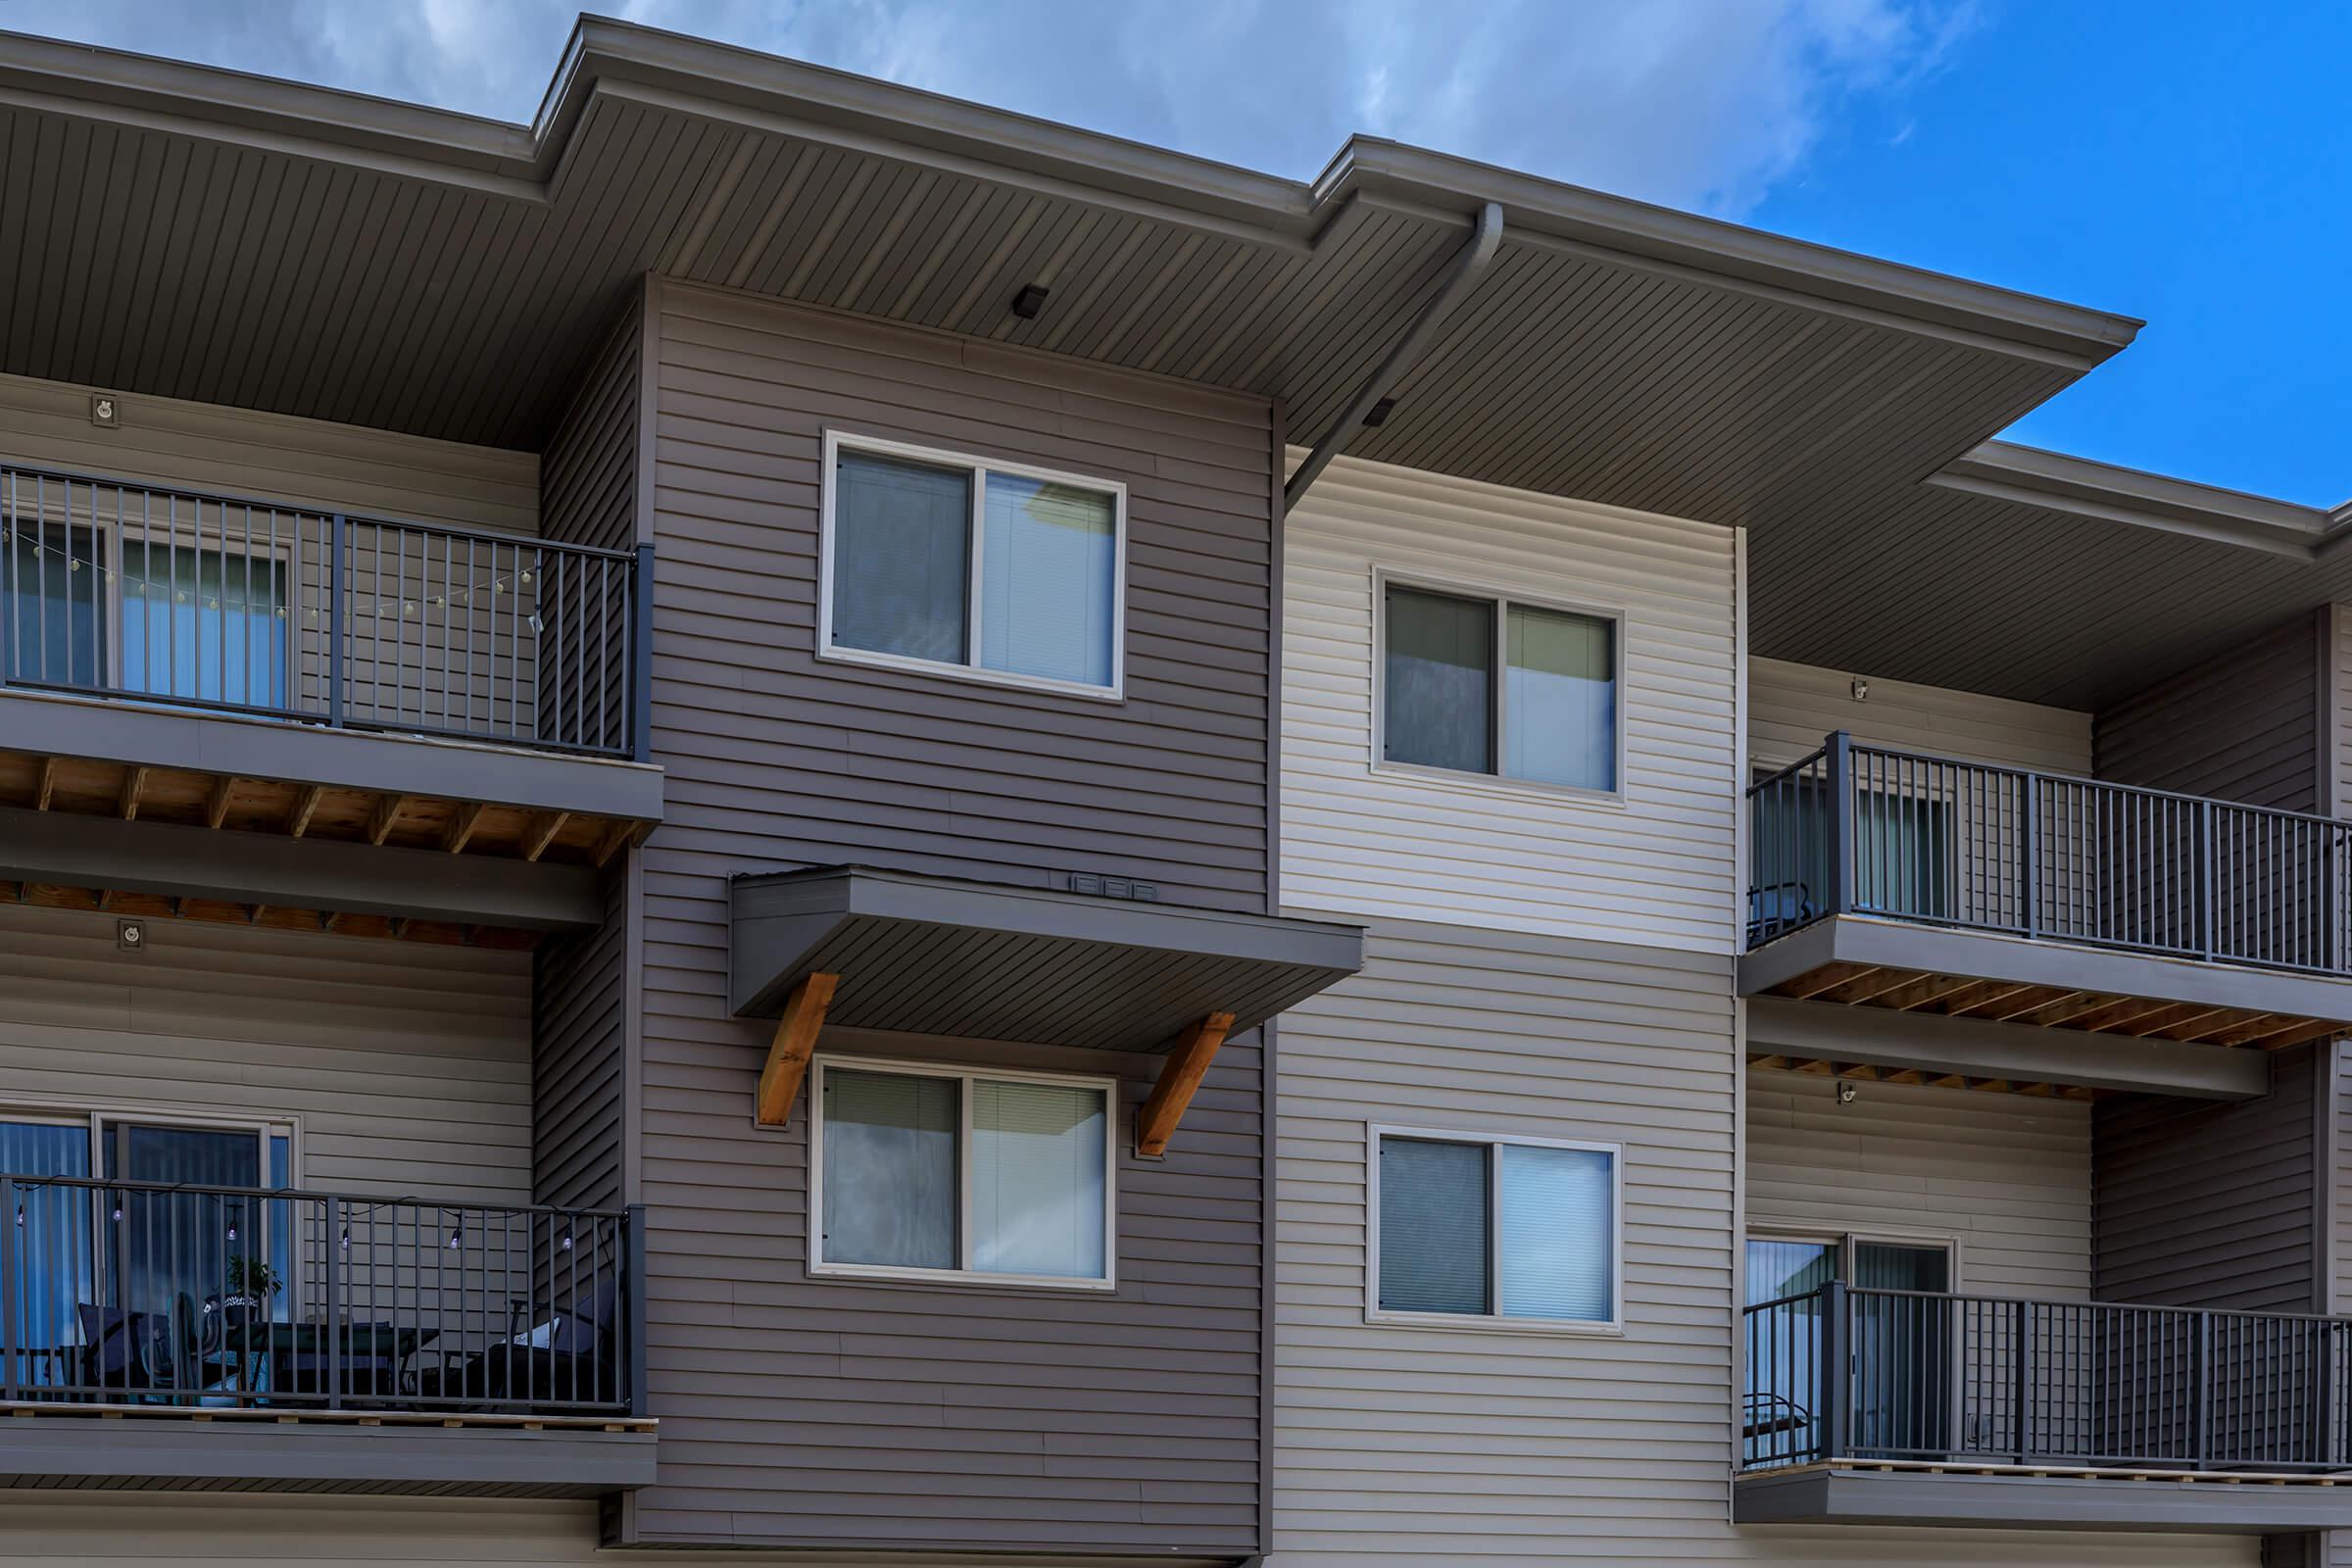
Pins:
x: 1468, y: 268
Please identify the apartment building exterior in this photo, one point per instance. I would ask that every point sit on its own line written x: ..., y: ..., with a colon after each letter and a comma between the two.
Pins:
x: 788, y: 819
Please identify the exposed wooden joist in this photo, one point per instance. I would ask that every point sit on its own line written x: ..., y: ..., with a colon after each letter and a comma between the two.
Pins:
x: 387, y: 812
x: 216, y: 809
x: 2299, y: 1032
x: 298, y: 822
x: 1179, y: 1080
x: 467, y: 817
x: 794, y: 1044
x: 1807, y: 986
x: 542, y: 833
x: 126, y: 803
x: 46, y: 788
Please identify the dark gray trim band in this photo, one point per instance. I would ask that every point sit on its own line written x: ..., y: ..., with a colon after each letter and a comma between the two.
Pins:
x: 1983, y: 956
x: 2036, y: 1502
x: 197, y: 863
x: 131, y: 732
x: 1980, y: 1047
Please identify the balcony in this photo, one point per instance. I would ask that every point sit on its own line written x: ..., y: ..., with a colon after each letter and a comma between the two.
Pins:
x: 1878, y: 1406
x: 174, y: 659
x: 1949, y: 890
x: 209, y: 1337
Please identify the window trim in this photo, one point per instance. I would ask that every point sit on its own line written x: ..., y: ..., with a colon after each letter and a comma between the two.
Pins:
x: 1497, y: 782
x: 837, y: 441
x: 1493, y: 1322
x: 964, y: 1274
x: 98, y: 1114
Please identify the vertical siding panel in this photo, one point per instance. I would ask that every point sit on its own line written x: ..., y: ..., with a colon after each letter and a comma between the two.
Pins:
x: 832, y: 1414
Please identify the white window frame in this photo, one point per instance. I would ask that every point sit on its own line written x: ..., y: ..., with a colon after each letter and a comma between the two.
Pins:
x: 964, y: 1274
x: 837, y: 442
x: 1494, y: 1322
x: 1496, y: 782
x: 99, y: 1116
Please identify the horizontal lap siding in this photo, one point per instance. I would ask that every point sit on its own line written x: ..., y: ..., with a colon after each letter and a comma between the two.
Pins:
x: 407, y: 1064
x: 2247, y: 726
x: 1657, y: 867
x: 270, y: 456
x: 2006, y: 1177
x: 1792, y: 707
x: 2212, y: 1205
x: 1412, y: 1446
x: 822, y: 1411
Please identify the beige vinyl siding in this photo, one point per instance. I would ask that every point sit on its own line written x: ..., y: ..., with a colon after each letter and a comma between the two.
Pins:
x: 1655, y: 867
x: 270, y: 457
x: 1406, y: 1446
x: 406, y: 1066
x: 2006, y: 1177
x: 1790, y: 707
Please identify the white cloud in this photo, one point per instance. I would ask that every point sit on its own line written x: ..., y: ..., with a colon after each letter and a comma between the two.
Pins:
x: 1701, y: 104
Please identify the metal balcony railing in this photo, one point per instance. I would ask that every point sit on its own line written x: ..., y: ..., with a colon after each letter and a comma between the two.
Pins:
x: 255, y: 606
x: 1844, y: 1372
x: 1865, y: 829
x: 165, y: 1293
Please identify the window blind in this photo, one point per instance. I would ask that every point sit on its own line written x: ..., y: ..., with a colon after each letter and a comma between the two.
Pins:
x: 902, y: 557
x: 1558, y: 1232
x: 1047, y: 566
x: 890, y: 1169
x: 1037, y: 1179
x: 1437, y: 680
x: 1560, y: 699
x: 1432, y: 1226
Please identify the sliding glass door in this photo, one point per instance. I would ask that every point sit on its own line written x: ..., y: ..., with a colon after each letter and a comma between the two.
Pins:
x: 53, y: 1273
x: 1900, y: 1361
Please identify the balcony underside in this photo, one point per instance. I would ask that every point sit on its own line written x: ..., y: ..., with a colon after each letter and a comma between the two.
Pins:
x: 447, y: 824
x: 55, y: 1447
x: 1931, y: 972
x: 1867, y: 1492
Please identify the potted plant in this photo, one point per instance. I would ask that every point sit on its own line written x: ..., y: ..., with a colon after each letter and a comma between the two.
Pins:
x: 251, y: 1283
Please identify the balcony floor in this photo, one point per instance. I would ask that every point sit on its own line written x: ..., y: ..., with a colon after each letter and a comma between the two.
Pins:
x: 1874, y: 1492
x: 1935, y: 973
x: 57, y: 1444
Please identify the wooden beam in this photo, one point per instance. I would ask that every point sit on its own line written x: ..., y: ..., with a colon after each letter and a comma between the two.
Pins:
x: 127, y: 805
x: 461, y: 826
x: 1822, y: 979
x: 543, y: 831
x: 619, y: 836
x: 216, y: 809
x: 2297, y: 1034
x: 795, y: 1042
x: 386, y: 812
x: 48, y: 785
x: 1179, y: 1079
x: 299, y: 823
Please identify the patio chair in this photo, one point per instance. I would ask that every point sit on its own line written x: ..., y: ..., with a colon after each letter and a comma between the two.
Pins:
x: 569, y: 1356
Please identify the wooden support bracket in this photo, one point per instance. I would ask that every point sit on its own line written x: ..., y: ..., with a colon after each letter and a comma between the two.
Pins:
x: 1186, y: 1066
x: 795, y: 1042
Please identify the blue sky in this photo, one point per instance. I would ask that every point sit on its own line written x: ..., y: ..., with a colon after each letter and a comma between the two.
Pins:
x: 2189, y: 164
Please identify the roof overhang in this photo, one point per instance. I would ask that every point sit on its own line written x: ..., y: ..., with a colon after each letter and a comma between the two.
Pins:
x: 938, y: 956
x: 1616, y: 352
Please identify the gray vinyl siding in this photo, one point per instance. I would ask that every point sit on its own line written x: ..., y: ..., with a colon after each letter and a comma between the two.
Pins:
x: 814, y: 761
x: 580, y: 1060
x: 588, y: 486
x: 823, y: 1411
x: 2247, y: 726
x: 1410, y: 1446
x: 406, y: 1066
x: 2336, y: 1165
x: 2006, y: 1177
x: 2201, y: 1205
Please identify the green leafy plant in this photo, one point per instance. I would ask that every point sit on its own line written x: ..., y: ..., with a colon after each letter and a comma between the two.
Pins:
x: 252, y: 1279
